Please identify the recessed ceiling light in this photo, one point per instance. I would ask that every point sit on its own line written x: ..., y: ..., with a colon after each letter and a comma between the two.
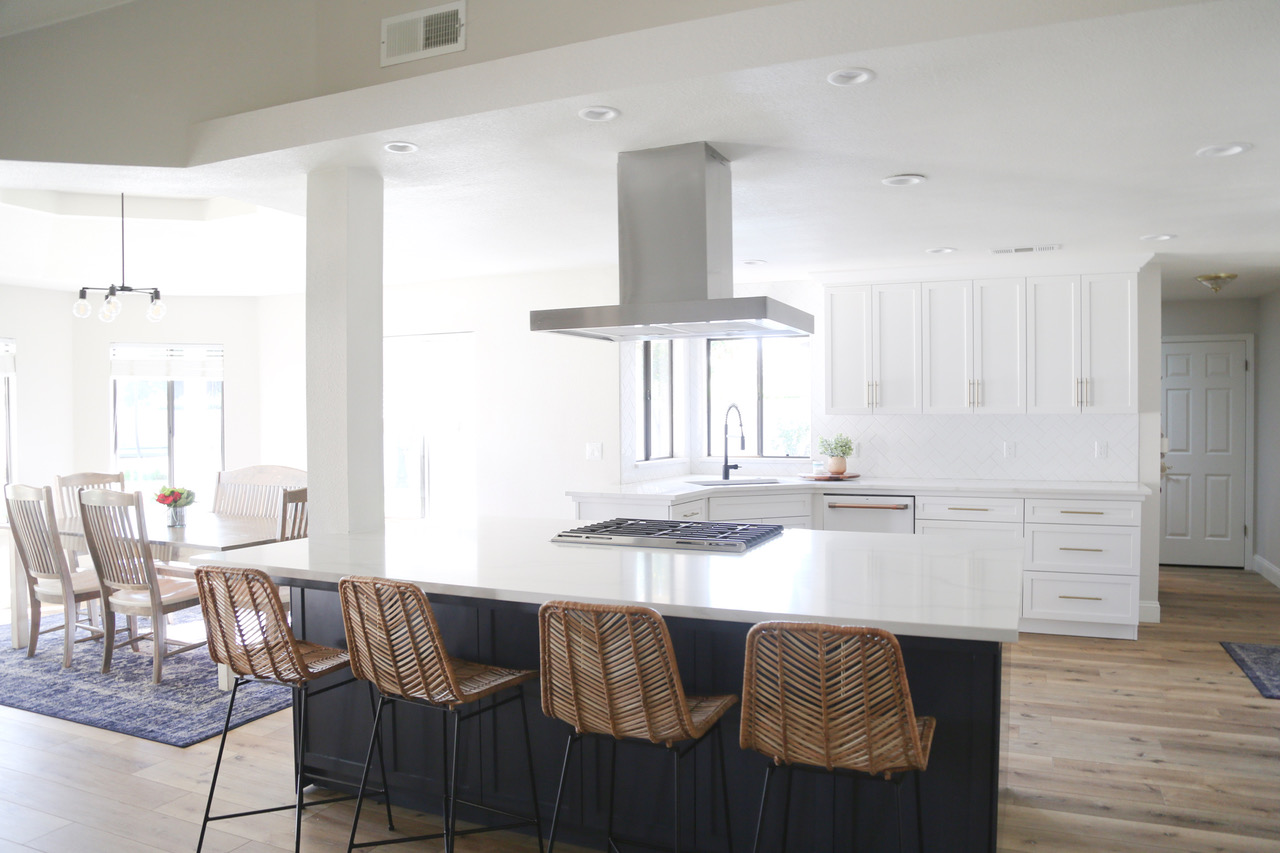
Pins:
x: 851, y: 76
x: 940, y: 250
x: 1159, y: 238
x: 598, y: 113
x: 1227, y: 149
x: 400, y: 147
x: 903, y: 180
x: 755, y: 262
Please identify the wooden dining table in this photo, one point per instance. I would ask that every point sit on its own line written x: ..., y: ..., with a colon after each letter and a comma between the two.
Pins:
x: 204, y: 532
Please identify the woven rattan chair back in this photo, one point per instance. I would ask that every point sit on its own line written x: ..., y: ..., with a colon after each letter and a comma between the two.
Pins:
x: 829, y: 696
x: 293, y: 514
x: 395, y: 643
x: 70, y: 487
x: 35, y: 533
x: 255, y: 491
x: 610, y: 669
x: 246, y: 625
x: 117, y: 535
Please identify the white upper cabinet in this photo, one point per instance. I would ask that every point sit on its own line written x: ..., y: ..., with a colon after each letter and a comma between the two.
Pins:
x: 974, y: 347
x: 873, y: 349
x: 1082, y: 344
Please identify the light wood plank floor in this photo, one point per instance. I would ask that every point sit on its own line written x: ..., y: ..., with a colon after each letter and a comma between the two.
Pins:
x: 1156, y: 745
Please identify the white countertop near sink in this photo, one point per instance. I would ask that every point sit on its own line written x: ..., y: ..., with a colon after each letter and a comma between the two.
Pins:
x: 665, y: 491
x: 962, y: 588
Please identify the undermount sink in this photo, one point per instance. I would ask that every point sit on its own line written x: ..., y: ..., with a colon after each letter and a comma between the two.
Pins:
x: 745, y: 481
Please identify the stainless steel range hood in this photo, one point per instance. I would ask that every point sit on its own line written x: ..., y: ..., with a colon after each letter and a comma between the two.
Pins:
x: 675, y: 241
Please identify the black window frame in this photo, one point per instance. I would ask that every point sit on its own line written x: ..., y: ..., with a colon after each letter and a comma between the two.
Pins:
x: 646, y: 439
x: 712, y: 432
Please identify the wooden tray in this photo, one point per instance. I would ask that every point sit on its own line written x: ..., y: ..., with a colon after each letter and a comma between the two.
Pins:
x: 829, y: 476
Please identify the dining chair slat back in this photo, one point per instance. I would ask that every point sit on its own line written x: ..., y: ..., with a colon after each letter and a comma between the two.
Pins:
x: 255, y: 491
x: 70, y: 486
x: 293, y: 514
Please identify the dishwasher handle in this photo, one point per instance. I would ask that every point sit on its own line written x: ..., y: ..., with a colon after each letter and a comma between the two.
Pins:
x: 868, y: 506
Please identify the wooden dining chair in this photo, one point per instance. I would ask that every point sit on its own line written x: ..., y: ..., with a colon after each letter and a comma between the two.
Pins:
x: 116, y: 530
x: 293, y: 514
x: 834, y: 698
x: 49, y: 580
x: 395, y: 644
x: 610, y: 672
x: 255, y: 491
x: 248, y: 633
x: 68, y: 488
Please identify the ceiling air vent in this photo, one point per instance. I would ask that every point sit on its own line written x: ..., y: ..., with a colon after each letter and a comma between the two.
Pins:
x: 431, y: 32
x: 1026, y: 250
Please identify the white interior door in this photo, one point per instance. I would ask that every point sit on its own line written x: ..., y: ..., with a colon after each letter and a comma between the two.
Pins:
x: 1203, y: 413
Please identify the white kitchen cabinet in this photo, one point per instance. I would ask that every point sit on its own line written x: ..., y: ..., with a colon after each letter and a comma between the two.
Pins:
x: 788, y: 509
x: 689, y: 511
x: 1082, y: 344
x: 974, y: 346
x: 1083, y: 560
x: 873, y: 349
x: 976, y: 515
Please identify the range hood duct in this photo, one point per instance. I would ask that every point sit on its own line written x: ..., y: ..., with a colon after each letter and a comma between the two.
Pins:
x: 675, y: 242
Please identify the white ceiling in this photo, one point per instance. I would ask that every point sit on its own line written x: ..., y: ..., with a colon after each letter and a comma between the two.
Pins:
x: 1081, y: 134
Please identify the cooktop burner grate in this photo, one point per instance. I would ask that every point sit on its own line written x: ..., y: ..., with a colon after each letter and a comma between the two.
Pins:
x: 658, y: 533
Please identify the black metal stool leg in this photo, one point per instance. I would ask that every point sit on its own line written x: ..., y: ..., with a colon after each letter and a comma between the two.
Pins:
x: 564, y: 771
x: 364, y: 776
x: 764, y: 797
x: 786, y: 808
x: 919, y: 814
x: 299, y: 755
x: 675, y: 786
x: 217, y: 765
x: 613, y: 782
x: 452, y: 829
x: 724, y: 788
x: 533, y: 785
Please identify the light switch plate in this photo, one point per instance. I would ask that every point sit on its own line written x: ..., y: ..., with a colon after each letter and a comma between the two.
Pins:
x: 595, y: 451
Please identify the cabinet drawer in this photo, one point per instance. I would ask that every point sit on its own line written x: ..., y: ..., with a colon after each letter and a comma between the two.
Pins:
x: 1079, y: 598
x: 689, y: 511
x: 1082, y: 548
x: 1008, y: 529
x: 738, y: 507
x: 1084, y: 512
x: 969, y: 509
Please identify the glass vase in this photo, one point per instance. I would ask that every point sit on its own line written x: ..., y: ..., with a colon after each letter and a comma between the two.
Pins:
x: 177, y: 516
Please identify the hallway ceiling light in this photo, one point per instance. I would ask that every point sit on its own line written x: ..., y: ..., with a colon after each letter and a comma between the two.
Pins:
x: 111, y: 303
x: 903, y: 180
x: 851, y: 76
x: 1227, y: 149
x: 599, y: 113
x: 1215, y: 281
x: 400, y: 147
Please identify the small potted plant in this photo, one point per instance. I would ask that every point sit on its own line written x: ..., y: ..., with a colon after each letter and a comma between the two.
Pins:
x: 836, y: 450
x: 176, y: 500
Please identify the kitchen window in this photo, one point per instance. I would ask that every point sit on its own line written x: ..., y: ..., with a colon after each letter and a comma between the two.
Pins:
x: 655, y: 396
x: 167, y: 415
x: 768, y: 380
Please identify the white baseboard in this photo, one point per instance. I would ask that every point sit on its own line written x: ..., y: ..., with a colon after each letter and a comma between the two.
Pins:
x: 1267, y: 569
x: 1148, y: 611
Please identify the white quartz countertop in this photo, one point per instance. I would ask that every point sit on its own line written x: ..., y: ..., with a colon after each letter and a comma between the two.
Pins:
x: 665, y: 491
x: 929, y: 586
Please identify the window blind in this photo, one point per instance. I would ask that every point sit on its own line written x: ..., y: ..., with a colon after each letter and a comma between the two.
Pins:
x: 8, y: 363
x: 167, y: 361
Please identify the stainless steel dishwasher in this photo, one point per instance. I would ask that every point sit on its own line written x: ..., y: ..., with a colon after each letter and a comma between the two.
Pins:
x: 869, y: 513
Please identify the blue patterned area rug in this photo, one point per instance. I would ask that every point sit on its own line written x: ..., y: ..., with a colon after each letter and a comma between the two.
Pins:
x: 1260, y: 663
x: 186, y: 707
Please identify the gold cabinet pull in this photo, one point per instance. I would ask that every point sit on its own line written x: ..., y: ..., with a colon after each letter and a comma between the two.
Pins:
x: 1081, y: 512
x: 1082, y: 597
x: 690, y: 514
x: 868, y: 506
x: 1095, y: 550
x: 969, y: 509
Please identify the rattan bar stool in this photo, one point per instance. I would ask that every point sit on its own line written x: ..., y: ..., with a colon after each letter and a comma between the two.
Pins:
x: 610, y: 671
x: 396, y: 645
x: 247, y: 630
x: 835, y: 698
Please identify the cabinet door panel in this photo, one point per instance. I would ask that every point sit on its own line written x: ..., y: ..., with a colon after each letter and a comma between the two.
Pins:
x: 1000, y: 346
x: 1109, y: 343
x: 896, y: 356
x: 1053, y: 344
x: 947, y: 346
x: 848, y: 350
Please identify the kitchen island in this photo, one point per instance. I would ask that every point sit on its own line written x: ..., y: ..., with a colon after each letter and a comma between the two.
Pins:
x: 951, y: 601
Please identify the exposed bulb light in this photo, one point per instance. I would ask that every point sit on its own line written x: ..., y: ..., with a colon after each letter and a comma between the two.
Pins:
x: 903, y: 180
x: 851, y: 76
x: 1158, y: 238
x: 400, y: 147
x: 82, y: 308
x: 599, y: 113
x: 1215, y: 281
x: 157, y: 309
x: 1226, y: 149
x: 111, y: 303
x: 940, y: 250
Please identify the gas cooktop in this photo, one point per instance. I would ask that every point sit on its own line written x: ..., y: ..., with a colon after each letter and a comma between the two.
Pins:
x: 656, y: 533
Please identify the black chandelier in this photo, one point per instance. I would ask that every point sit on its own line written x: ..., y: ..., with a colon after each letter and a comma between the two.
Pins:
x: 111, y: 303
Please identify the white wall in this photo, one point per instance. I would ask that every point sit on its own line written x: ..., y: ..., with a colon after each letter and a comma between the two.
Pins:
x: 282, y: 409
x: 1209, y: 317
x: 1266, y: 541
x: 541, y: 397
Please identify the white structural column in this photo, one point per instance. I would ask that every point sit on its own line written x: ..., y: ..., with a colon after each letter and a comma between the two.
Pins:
x: 344, y: 351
